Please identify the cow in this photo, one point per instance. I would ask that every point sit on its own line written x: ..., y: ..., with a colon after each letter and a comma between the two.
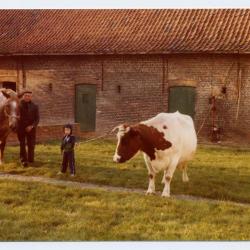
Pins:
x: 9, y: 116
x: 167, y: 141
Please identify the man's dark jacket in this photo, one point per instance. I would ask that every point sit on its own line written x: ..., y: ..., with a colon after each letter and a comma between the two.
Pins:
x: 29, y: 114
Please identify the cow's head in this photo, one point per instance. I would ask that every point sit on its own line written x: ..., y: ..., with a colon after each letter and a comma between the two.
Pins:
x: 11, y: 108
x: 142, y: 137
x: 129, y: 143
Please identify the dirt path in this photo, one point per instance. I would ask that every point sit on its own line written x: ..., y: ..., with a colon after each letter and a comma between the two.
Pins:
x: 83, y: 185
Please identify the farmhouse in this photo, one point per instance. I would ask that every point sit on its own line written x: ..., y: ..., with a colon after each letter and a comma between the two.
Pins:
x: 99, y: 68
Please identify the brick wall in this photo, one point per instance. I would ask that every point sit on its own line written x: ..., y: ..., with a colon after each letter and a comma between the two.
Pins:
x: 210, y: 71
x: 144, y: 91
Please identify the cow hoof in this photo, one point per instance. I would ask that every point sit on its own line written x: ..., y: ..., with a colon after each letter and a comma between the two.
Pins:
x: 165, y: 195
x: 150, y: 192
x: 185, y: 178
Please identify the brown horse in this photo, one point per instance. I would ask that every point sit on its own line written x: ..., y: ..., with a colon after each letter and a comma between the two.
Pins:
x: 9, y: 116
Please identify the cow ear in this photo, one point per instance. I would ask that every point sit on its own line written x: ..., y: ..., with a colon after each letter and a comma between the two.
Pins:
x: 5, y: 94
x: 116, y: 128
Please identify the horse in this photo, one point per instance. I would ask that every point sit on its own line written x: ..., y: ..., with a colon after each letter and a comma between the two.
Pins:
x: 9, y: 116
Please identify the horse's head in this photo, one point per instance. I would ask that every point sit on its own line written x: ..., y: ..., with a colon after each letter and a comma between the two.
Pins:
x: 10, y: 108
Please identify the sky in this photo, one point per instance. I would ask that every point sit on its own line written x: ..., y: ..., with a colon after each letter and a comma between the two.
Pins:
x: 100, y: 4
x: 42, y: 4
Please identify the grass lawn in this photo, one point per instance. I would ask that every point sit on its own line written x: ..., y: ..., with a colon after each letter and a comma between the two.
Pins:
x: 32, y: 211
x: 219, y: 173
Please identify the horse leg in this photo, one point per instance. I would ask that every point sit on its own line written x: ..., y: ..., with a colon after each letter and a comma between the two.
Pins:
x: 1, y: 153
x: 2, y: 146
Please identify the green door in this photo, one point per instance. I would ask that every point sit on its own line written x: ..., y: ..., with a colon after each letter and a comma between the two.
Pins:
x: 86, y: 106
x: 182, y: 98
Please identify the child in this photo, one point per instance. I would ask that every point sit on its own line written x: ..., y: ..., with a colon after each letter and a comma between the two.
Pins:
x: 67, y: 148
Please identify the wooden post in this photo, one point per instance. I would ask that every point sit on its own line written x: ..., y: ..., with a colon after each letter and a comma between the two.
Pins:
x: 163, y: 75
x: 19, y: 79
x: 239, y: 74
x: 102, y: 75
x: 214, y: 128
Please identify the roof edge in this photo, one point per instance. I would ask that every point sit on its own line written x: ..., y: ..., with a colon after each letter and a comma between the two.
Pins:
x: 129, y: 53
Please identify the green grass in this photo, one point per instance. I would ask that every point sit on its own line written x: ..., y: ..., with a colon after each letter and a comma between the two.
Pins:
x: 219, y: 173
x: 38, y: 212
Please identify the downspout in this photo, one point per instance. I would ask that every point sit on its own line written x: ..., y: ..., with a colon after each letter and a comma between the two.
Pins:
x: 239, y: 85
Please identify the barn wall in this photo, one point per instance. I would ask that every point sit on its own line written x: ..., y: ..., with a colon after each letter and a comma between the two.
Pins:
x: 141, y: 93
x: 244, y: 114
x: 212, y: 71
x: 141, y: 80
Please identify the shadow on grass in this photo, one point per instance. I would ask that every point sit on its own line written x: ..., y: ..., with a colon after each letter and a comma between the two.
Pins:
x: 36, y: 164
x: 15, y: 172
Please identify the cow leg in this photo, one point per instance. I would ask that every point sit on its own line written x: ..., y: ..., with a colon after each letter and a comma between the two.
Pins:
x: 183, y: 167
x: 151, y: 174
x: 184, y: 172
x: 151, y: 185
x: 163, y: 177
x: 168, y: 176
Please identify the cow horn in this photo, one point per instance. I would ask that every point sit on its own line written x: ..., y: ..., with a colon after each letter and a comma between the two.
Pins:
x: 127, y: 129
x: 115, y: 128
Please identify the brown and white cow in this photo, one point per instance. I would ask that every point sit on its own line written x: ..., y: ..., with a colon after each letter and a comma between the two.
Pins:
x: 167, y: 141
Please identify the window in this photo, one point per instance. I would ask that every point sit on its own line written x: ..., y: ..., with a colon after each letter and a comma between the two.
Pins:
x: 8, y: 85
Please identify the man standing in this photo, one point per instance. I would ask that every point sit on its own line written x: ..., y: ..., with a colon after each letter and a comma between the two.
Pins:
x: 29, y: 119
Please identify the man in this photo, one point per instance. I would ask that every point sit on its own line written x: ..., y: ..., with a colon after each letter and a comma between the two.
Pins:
x: 29, y: 119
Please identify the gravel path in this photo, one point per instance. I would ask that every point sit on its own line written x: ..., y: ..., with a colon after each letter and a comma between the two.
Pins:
x: 84, y: 185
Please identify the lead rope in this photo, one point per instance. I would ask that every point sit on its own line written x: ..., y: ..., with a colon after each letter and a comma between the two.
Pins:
x: 204, y: 120
x: 96, y: 138
x: 110, y: 131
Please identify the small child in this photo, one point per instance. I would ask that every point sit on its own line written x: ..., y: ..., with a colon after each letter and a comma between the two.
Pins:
x: 67, y: 149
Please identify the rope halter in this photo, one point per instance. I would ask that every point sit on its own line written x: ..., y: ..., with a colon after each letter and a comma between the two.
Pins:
x: 11, y: 116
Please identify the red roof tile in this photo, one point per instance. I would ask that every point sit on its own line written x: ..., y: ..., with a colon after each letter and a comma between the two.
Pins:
x: 124, y: 31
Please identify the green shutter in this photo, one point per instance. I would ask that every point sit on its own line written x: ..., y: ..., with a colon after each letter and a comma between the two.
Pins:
x: 182, y: 98
x: 85, y: 110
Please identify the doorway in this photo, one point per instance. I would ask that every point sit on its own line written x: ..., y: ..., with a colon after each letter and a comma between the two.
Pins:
x: 85, y: 106
x: 182, y: 98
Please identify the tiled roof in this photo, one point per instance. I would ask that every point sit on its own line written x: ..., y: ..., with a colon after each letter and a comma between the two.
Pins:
x: 124, y: 31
